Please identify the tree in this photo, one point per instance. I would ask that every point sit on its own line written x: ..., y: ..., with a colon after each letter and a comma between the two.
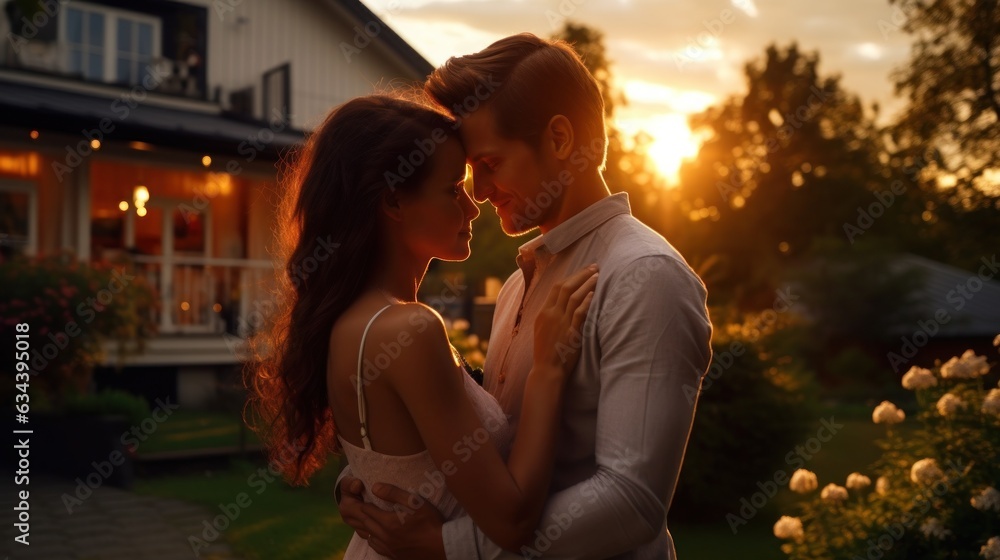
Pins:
x: 950, y: 130
x: 952, y: 83
x: 793, y: 160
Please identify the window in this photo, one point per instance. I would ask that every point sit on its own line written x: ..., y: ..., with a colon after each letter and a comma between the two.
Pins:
x: 134, y: 50
x: 18, y: 222
x: 109, y: 45
x: 276, y: 94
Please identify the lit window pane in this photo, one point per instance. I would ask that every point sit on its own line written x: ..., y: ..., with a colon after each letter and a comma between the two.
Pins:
x: 14, y: 215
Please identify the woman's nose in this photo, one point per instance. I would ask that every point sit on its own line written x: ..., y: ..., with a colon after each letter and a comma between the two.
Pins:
x: 473, y: 211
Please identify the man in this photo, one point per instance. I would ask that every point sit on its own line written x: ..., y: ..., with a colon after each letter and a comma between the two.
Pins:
x: 532, y: 121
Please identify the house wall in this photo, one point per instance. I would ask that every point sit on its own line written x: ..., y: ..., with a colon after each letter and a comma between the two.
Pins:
x: 246, y: 38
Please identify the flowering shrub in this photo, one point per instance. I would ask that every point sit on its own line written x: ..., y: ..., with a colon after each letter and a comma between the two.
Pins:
x: 936, y: 493
x: 469, y: 345
x: 71, y: 308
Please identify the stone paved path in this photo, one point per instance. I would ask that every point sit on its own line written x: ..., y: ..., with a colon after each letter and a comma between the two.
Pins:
x: 112, y: 524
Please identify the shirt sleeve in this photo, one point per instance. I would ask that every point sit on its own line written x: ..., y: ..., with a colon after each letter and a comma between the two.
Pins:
x: 654, y: 335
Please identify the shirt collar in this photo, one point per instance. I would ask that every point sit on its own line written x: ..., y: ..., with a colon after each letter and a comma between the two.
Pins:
x: 565, y: 234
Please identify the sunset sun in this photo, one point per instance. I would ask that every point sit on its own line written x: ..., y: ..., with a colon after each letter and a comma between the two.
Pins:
x: 672, y: 142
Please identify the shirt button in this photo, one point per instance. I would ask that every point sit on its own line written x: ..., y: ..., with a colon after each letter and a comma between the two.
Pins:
x: 503, y: 377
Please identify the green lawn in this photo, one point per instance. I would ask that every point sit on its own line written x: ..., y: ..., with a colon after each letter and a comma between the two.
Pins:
x: 303, y: 522
x: 278, y: 521
x: 852, y: 449
x: 196, y: 429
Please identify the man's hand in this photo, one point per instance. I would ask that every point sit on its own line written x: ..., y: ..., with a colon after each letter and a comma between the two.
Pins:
x: 412, y: 531
x: 352, y: 498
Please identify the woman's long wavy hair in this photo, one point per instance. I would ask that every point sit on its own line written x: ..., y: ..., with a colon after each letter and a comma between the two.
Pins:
x: 329, y: 239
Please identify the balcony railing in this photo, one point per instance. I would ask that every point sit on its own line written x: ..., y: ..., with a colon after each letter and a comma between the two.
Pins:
x: 110, y: 46
x: 208, y: 295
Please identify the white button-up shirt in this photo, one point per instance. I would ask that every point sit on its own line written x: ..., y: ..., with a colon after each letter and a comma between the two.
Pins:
x: 630, y: 402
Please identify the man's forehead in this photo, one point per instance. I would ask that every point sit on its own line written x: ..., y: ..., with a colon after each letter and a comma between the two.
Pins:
x: 478, y: 134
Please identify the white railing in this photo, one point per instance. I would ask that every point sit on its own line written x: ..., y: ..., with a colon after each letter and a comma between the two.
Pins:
x: 206, y: 295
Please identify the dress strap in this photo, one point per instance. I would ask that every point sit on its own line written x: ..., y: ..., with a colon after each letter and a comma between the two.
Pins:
x: 362, y: 409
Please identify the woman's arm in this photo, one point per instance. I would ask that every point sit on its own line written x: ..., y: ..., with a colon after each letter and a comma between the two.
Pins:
x: 505, y: 500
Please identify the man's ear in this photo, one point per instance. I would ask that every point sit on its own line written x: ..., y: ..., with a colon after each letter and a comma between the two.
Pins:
x: 560, y: 136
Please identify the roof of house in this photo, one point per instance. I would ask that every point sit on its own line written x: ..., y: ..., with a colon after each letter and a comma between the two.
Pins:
x: 970, y: 299
x: 211, y: 129
x: 43, y: 107
x: 389, y: 38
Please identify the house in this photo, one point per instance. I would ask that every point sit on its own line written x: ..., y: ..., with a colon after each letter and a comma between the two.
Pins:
x: 155, y: 130
x: 959, y: 310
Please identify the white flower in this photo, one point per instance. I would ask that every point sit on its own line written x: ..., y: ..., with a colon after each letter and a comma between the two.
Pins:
x: 803, y: 481
x: 858, y: 481
x: 969, y: 366
x: 918, y: 378
x: 833, y: 493
x: 988, y: 499
x: 925, y: 471
x: 991, y: 404
x: 882, y: 486
x: 789, y: 528
x: 934, y: 528
x: 887, y: 413
x: 949, y: 404
x: 991, y: 550
x: 460, y: 325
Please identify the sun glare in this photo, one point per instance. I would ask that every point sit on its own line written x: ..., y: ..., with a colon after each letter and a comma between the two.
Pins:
x: 672, y: 143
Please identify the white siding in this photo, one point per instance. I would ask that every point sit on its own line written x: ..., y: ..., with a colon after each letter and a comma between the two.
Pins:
x: 258, y: 35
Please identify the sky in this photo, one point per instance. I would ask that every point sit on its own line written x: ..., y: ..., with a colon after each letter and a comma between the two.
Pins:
x: 672, y: 58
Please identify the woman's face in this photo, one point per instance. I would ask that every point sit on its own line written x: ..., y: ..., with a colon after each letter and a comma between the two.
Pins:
x: 438, y: 218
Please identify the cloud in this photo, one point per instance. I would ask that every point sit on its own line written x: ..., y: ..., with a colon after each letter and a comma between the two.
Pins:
x: 696, y: 45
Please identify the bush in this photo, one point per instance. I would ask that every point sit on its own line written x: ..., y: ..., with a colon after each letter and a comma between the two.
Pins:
x: 71, y: 308
x: 935, y: 491
x: 756, y: 405
x: 135, y: 409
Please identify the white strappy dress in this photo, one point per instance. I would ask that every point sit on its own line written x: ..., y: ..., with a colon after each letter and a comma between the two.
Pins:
x: 415, y: 473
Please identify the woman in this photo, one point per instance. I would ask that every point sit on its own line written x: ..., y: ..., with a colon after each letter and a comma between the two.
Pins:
x: 354, y: 360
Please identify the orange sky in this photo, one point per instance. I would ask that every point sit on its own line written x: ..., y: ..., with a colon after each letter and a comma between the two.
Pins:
x: 675, y: 57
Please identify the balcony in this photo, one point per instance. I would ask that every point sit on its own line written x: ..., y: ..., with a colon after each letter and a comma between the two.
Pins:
x: 158, y: 49
x: 207, y: 308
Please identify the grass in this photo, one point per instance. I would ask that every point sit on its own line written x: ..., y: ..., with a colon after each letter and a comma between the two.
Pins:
x: 753, y: 542
x: 282, y: 521
x: 851, y: 449
x: 279, y: 521
x: 196, y: 429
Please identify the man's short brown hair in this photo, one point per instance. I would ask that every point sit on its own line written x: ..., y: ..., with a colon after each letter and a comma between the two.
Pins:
x: 537, y: 79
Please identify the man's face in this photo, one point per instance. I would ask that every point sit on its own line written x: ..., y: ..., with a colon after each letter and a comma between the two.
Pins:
x: 508, y: 173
